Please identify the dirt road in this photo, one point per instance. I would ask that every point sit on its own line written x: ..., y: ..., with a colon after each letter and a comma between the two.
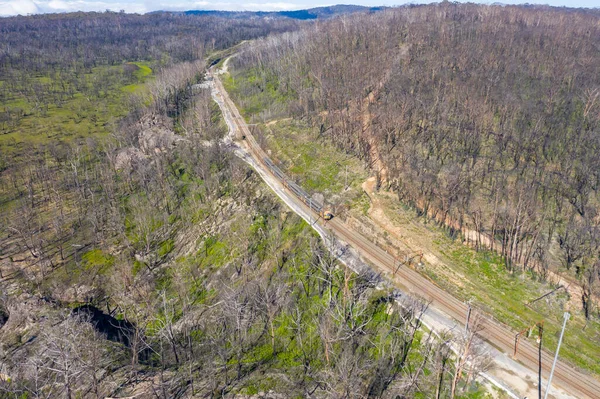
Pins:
x: 568, y: 382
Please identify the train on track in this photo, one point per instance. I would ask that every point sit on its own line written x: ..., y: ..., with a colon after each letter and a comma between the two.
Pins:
x: 314, y: 205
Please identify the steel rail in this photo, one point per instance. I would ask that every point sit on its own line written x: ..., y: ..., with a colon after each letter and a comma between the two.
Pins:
x: 499, y: 335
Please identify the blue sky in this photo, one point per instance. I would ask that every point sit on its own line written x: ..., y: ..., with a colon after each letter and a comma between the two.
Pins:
x: 14, y: 7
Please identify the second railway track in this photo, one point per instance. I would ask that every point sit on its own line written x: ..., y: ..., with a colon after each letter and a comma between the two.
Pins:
x: 501, y: 336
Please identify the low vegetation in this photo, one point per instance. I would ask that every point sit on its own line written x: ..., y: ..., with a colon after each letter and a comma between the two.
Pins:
x: 381, y: 97
x: 139, y: 257
x: 481, y: 277
x: 484, y: 118
x: 88, y: 108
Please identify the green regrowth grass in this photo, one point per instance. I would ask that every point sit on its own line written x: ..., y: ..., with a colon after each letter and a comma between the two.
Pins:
x: 84, y: 111
x: 319, y: 166
x: 313, y: 162
x: 483, y: 278
x: 257, y: 94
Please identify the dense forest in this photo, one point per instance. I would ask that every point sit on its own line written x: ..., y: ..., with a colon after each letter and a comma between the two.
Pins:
x: 140, y: 258
x: 59, y: 73
x: 483, y: 118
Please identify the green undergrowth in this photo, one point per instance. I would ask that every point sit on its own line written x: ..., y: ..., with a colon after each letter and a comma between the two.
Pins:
x: 65, y: 108
x: 281, y: 245
x: 483, y: 278
x: 142, y: 73
x: 318, y: 166
x: 298, y: 337
x: 257, y: 94
x: 97, y: 261
x: 295, y: 146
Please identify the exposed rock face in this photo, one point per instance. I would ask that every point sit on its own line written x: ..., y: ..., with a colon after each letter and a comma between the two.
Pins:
x: 318, y: 197
x: 155, y: 134
x: 127, y: 158
x: 20, y: 322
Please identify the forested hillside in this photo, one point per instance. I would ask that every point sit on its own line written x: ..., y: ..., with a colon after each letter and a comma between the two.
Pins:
x: 483, y: 118
x: 309, y: 14
x: 68, y: 76
x: 140, y: 258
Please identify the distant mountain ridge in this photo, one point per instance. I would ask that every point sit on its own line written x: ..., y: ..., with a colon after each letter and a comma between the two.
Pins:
x: 308, y: 14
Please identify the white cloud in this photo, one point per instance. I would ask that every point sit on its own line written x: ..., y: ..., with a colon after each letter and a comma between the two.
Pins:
x: 225, y: 6
x: 15, y: 7
x: 87, y: 5
x: 58, y: 5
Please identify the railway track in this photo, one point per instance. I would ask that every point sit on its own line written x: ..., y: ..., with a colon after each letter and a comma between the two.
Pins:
x: 497, y: 334
x: 501, y: 336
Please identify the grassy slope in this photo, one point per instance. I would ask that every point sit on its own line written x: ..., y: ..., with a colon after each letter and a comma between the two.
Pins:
x: 143, y: 72
x: 482, y: 278
x: 310, y: 160
x: 298, y: 148
x: 85, y: 114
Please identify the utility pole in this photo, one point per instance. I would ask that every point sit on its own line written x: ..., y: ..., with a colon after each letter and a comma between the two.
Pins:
x: 468, y: 317
x: 541, y: 331
x: 399, y: 264
x: 566, y: 316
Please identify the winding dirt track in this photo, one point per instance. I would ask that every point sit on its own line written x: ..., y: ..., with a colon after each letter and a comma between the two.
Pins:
x: 499, y: 335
